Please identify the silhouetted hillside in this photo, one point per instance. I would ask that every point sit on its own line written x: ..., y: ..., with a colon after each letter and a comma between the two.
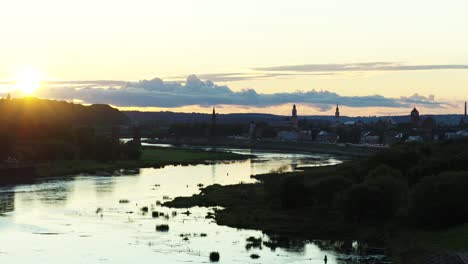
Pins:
x: 30, y: 111
x: 173, y: 117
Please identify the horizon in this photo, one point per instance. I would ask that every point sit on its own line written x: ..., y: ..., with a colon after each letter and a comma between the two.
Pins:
x: 209, y: 110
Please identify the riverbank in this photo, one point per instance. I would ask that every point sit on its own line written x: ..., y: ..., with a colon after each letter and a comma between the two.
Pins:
x: 151, y: 157
x: 244, y: 207
x: 350, y: 150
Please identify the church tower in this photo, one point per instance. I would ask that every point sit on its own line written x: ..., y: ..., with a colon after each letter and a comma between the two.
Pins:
x: 213, y: 123
x: 294, y: 120
x: 337, y: 114
x: 414, y: 115
x: 213, y: 117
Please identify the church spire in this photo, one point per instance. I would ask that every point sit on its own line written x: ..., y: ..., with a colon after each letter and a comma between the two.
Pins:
x: 337, y: 114
x: 213, y: 116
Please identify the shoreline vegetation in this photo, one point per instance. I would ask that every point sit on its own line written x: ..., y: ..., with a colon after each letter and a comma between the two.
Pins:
x: 349, y: 150
x: 409, y: 198
x: 150, y: 157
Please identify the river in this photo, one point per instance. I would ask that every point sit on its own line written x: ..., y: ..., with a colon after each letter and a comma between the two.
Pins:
x: 98, y: 218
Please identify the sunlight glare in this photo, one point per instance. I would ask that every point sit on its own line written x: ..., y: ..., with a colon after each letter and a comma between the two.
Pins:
x: 27, y: 80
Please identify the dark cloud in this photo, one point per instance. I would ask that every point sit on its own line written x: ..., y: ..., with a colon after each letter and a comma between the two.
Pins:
x: 356, y: 67
x: 193, y: 91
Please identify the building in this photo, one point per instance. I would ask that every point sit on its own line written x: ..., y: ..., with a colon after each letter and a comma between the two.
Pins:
x: 289, y: 135
x: 415, y: 139
x: 370, y: 138
x: 414, y: 116
x: 337, y: 115
x: 294, y: 120
x: 326, y: 137
x: 213, y: 123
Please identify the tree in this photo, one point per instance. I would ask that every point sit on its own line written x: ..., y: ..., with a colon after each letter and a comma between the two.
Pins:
x: 375, y: 199
x: 440, y: 200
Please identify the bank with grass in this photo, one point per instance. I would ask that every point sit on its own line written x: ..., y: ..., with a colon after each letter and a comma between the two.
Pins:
x: 150, y: 157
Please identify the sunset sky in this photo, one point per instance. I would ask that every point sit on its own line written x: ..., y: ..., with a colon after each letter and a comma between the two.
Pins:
x: 371, y: 57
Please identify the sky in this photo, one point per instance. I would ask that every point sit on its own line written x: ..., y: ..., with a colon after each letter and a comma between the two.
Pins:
x: 372, y: 57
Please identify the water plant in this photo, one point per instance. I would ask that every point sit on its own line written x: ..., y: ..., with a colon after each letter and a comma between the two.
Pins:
x: 162, y: 228
x: 254, y: 256
x: 214, y: 256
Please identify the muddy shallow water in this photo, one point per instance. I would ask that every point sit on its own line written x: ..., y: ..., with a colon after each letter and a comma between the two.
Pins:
x: 99, y: 219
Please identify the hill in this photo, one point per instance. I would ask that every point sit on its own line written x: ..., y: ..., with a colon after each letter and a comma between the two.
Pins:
x: 30, y: 111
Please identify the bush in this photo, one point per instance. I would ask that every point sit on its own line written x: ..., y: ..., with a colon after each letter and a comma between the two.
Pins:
x: 107, y: 148
x: 293, y: 193
x: 440, y: 200
x: 384, y: 171
x: 130, y: 150
x: 324, y: 191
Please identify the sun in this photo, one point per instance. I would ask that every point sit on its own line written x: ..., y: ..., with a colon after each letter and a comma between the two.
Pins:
x: 27, y: 80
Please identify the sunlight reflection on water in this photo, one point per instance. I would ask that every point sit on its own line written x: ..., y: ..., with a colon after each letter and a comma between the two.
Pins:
x: 86, y: 219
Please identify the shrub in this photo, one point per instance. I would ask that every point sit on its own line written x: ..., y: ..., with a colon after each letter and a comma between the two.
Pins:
x: 376, y: 199
x: 324, y: 191
x: 293, y: 193
x: 384, y: 171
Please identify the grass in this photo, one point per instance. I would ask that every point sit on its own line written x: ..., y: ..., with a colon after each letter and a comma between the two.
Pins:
x: 313, y: 147
x: 245, y: 207
x: 151, y: 157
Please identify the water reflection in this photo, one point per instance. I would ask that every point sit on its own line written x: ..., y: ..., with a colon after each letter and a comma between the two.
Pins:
x: 113, y: 218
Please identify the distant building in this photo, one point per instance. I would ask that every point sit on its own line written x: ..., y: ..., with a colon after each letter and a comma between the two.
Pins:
x: 414, y: 116
x: 415, y: 139
x: 370, y: 138
x: 456, y: 134
x: 326, y: 137
x: 294, y: 120
x: 337, y: 115
x: 289, y: 135
x: 213, y: 123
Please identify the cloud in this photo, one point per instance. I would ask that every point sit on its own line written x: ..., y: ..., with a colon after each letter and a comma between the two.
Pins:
x: 233, y: 77
x: 359, y: 67
x: 194, y: 91
x: 305, y: 70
